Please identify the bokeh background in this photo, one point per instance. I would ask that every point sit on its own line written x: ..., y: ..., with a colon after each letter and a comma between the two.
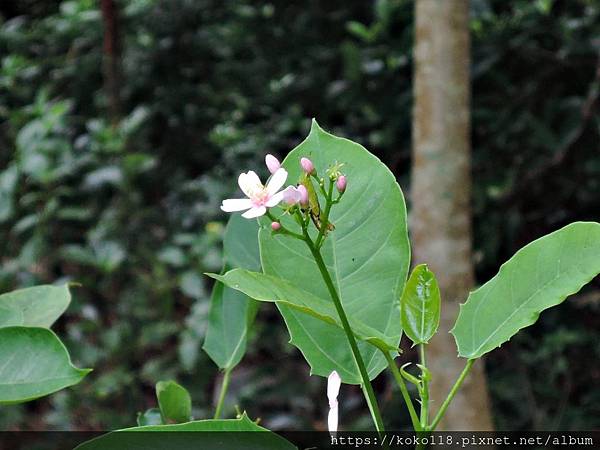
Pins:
x: 111, y: 175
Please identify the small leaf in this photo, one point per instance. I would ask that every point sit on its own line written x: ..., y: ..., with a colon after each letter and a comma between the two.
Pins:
x: 267, y: 288
x: 174, y: 402
x: 540, y: 275
x: 33, y: 363
x: 151, y: 416
x: 420, y: 305
x: 225, y: 434
x: 37, y: 306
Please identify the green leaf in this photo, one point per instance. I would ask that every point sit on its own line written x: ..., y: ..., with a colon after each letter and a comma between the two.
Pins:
x: 231, y: 312
x: 223, y: 434
x: 151, y: 416
x: 240, y: 243
x: 367, y: 255
x: 420, y: 305
x: 37, y: 306
x: 266, y: 288
x: 174, y: 402
x: 33, y: 363
x: 540, y: 275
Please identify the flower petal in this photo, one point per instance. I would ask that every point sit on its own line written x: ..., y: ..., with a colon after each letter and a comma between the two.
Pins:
x: 277, y: 181
x: 255, y: 211
x: 236, y: 204
x: 332, y: 420
x: 274, y: 200
x: 291, y: 195
x: 333, y: 387
x: 249, y: 183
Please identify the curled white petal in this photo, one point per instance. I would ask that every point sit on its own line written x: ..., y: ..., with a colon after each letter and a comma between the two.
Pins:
x: 276, y: 181
x: 236, y: 204
x: 255, y: 211
x: 334, y: 383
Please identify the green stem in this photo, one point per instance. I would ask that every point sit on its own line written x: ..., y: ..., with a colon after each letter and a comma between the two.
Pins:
x: 451, y: 395
x: 366, y: 383
x: 325, y: 219
x: 424, y: 390
x: 402, y: 385
x: 224, y: 386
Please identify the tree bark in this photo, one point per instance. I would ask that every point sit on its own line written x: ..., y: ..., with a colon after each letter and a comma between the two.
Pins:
x: 441, y: 193
x: 112, y: 58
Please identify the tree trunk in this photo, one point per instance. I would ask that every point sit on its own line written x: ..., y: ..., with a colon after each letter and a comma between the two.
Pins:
x: 112, y: 59
x: 440, y: 194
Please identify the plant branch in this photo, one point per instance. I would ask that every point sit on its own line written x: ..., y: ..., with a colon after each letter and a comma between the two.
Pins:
x: 424, y: 391
x: 402, y: 385
x: 451, y: 395
x: 366, y: 383
x: 224, y: 387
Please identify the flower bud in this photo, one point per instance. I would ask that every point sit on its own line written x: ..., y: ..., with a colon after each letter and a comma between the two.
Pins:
x: 303, y: 195
x: 272, y: 163
x: 307, y: 165
x: 275, y: 226
x: 341, y: 183
x: 291, y: 195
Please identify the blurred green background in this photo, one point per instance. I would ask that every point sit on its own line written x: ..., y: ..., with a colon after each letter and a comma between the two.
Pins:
x: 126, y: 200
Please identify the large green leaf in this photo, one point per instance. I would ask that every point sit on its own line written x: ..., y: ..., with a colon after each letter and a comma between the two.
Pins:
x: 267, y: 288
x: 231, y: 312
x: 33, y: 363
x: 174, y: 402
x: 37, y: 306
x: 224, y: 434
x: 367, y: 256
x: 420, y: 305
x: 540, y: 275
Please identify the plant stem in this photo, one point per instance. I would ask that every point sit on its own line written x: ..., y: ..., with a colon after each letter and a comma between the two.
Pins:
x: 224, y: 386
x: 402, y: 385
x: 325, y: 220
x: 366, y: 383
x: 451, y: 394
x: 424, y: 390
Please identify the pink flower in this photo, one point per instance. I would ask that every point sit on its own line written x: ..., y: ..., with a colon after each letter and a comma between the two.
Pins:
x: 294, y: 195
x: 333, y: 389
x: 307, y: 165
x: 272, y: 163
x: 275, y: 226
x: 259, y: 197
x: 291, y: 195
x: 303, y: 195
x: 341, y: 183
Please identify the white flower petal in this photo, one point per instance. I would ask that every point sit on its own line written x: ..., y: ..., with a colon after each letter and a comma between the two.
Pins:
x: 236, y: 204
x: 332, y: 419
x: 274, y: 200
x: 249, y: 183
x: 255, y: 211
x: 333, y: 387
x: 277, y: 181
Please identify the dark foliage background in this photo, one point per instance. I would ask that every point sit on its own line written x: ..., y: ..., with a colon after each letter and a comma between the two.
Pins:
x: 127, y: 205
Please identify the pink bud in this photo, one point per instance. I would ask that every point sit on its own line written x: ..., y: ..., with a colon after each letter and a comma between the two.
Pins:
x: 291, y: 196
x: 341, y: 183
x: 272, y: 163
x: 307, y: 165
x: 275, y: 226
x: 303, y: 195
